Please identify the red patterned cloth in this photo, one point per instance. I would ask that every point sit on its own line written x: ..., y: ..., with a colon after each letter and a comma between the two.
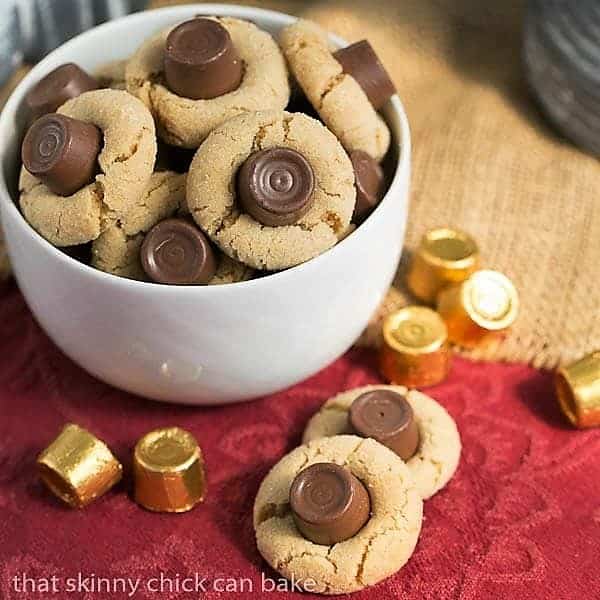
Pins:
x: 521, y: 518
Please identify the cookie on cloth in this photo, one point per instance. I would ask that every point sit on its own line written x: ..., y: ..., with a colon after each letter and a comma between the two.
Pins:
x: 336, y: 96
x: 272, y: 189
x: 126, y: 161
x: 185, y: 121
x: 435, y: 456
x: 379, y: 549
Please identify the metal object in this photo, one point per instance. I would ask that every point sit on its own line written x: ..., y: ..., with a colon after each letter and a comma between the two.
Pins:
x: 29, y: 29
x: 562, y: 60
x: 578, y: 391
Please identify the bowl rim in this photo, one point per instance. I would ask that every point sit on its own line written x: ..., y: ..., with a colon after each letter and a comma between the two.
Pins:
x: 402, y: 144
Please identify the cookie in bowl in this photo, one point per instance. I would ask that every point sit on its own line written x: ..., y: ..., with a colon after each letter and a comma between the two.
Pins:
x: 199, y: 74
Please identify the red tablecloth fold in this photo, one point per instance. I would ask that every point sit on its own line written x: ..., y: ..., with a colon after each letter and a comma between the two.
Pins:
x: 521, y: 518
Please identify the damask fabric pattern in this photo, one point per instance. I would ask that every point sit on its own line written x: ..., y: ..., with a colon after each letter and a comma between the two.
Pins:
x: 520, y: 519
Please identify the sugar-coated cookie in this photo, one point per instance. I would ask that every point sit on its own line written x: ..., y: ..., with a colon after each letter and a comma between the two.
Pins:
x: 378, y: 550
x: 438, y: 454
x: 214, y: 202
x: 336, y: 96
x: 186, y: 122
x: 126, y: 163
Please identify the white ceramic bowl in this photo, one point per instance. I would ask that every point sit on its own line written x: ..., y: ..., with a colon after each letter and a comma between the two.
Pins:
x: 200, y: 345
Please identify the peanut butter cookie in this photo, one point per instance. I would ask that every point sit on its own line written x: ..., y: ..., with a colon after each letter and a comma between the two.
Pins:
x: 438, y: 450
x: 336, y: 96
x: 272, y: 189
x: 125, y: 162
x: 185, y: 121
x: 379, y: 549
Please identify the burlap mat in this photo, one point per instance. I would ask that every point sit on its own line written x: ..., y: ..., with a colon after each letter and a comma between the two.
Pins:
x: 485, y: 161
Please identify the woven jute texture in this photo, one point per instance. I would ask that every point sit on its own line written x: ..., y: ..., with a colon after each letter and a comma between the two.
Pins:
x: 485, y: 161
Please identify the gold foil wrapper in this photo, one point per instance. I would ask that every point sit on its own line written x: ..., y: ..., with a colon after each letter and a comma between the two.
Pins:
x: 78, y: 467
x: 445, y: 256
x: 578, y: 390
x: 415, y: 347
x: 479, y: 309
x: 169, y: 471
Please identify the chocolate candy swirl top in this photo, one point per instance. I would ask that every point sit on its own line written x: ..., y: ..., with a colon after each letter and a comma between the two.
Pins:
x: 361, y: 62
x: 388, y: 418
x: 275, y: 186
x: 201, y: 61
x: 62, y: 152
x: 329, y: 504
x: 176, y: 252
x: 65, y: 82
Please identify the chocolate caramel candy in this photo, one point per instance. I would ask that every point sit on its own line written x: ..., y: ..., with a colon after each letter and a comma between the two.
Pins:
x: 275, y: 186
x: 62, y: 152
x: 388, y: 418
x: 65, y: 82
x: 329, y: 504
x: 176, y: 252
x: 361, y: 62
x: 201, y: 61
x: 369, y: 183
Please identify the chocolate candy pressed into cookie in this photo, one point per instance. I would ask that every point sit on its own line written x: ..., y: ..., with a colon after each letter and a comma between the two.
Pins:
x: 52, y: 91
x: 329, y: 503
x: 272, y: 189
x: 198, y: 75
x: 275, y: 186
x: 314, y: 523
x: 62, y: 152
x: 177, y: 252
x: 201, y: 61
x: 410, y: 423
x: 341, y: 86
x: 125, y: 164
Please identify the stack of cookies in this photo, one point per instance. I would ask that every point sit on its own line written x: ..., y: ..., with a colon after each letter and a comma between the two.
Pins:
x: 344, y: 510
x: 192, y: 162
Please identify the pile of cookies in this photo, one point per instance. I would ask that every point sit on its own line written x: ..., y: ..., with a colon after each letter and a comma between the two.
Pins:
x: 344, y: 510
x: 191, y: 167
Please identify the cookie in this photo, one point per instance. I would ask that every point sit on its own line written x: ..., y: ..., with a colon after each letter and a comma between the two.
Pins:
x: 112, y: 75
x: 438, y: 454
x: 4, y: 262
x: 377, y: 551
x: 186, y: 122
x: 126, y: 163
x: 335, y: 95
x: 215, y: 204
x: 117, y: 250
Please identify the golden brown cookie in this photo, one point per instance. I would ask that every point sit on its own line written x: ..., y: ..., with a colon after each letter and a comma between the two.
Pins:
x: 336, y: 96
x: 214, y: 204
x: 438, y: 455
x: 126, y: 163
x: 185, y: 122
x: 377, y: 551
